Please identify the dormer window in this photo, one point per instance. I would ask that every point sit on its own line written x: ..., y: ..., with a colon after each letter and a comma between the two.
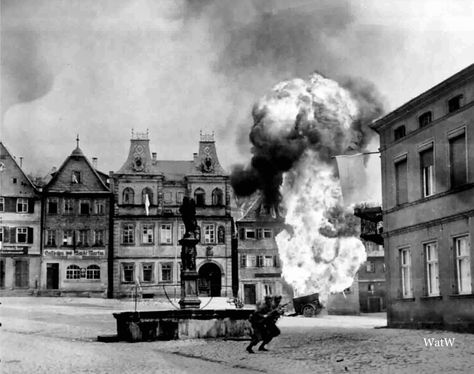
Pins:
x: 454, y: 103
x: 425, y: 119
x: 76, y: 177
x: 399, y: 132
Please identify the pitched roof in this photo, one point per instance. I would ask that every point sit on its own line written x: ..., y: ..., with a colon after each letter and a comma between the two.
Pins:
x: 4, y: 153
x: 58, y: 185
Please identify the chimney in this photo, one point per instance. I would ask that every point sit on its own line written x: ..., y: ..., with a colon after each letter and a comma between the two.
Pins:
x: 153, y: 155
x: 94, y: 162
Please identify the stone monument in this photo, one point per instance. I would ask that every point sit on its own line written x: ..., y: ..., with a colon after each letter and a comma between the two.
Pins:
x: 189, y: 275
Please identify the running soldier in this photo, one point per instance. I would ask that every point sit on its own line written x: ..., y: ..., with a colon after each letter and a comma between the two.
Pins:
x: 263, y: 322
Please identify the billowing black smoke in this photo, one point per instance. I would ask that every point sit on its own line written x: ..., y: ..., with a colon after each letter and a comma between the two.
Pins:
x: 318, y: 124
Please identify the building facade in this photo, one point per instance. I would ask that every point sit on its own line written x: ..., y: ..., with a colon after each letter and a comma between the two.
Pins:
x: 76, y: 227
x: 147, y: 222
x: 260, y: 268
x: 428, y: 183
x: 20, y: 216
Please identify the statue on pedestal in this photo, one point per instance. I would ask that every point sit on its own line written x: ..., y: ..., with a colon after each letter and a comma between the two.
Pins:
x: 192, y: 231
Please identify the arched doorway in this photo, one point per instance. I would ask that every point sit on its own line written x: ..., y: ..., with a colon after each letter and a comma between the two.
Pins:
x: 209, y: 282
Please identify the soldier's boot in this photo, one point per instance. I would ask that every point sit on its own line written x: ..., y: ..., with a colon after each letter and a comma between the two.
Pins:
x: 249, y: 349
x: 262, y: 348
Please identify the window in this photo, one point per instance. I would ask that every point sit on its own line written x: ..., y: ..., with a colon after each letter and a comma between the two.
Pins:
x: 457, y: 160
x: 98, y: 237
x: 405, y: 267
x: 268, y: 261
x: 426, y: 164
x: 267, y: 233
x: 249, y: 233
x: 251, y: 261
x: 147, y: 233
x: 14, y: 180
x: 1, y: 234
x: 462, y: 249
x: 93, y: 272
x: 76, y: 177
x: 68, y: 206
x: 84, y: 207
x: 371, y: 288
x: 99, y: 207
x: 128, y: 272
x: 166, y: 236
x: 217, y: 197
x: 166, y: 272
x: 73, y: 272
x: 51, y: 238
x: 209, y: 234
x: 431, y: 268
x: 128, y: 233
x: 399, y: 132
x: 52, y: 206
x: 22, y: 205
x: 454, y: 103
x: 147, y: 272
x: 168, y: 197
x: 83, y: 238
x: 128, y: 196
x: 200, y: 197
x: 401, y: 182
x: 179, y: 197
x: 2, y: 204
x: 259, y: 261
x: 243, y: 261
x: 68, y: 237
x: 22, y: 235
x: 425, y: 119
x: 147, y: 192
x: 268, y: 289
x: 370, y: 267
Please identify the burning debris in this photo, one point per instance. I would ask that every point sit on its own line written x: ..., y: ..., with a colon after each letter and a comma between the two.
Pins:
x: 298, y: 127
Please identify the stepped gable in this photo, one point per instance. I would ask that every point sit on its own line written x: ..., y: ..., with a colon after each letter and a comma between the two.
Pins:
x: 77, y: 174
x: 10, y: 168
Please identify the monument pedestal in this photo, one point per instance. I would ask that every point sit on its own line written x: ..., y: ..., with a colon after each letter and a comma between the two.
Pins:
x: 189, y: 275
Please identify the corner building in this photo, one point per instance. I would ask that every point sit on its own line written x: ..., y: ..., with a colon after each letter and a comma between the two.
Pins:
x: 148, y: 226
x: 428, y: 200
x: 20, y: 216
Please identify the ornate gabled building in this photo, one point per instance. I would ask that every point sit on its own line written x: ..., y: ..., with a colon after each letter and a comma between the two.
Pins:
x: 76, y: 229
x: 148, y: 226
x: 260, y: 268
x: 20, y: 213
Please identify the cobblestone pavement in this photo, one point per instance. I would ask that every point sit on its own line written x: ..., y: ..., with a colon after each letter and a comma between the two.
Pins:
x: 59, y: 336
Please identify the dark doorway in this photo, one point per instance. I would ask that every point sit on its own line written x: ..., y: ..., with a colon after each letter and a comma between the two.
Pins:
x: 249, y: 294
x: 21, y: 273
x: 2, y: 274
x: 209, y: 280
x: 374, y: 304
x: 52, y: 276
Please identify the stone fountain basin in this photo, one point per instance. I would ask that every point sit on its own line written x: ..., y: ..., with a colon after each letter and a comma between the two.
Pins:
x: 182, y: 324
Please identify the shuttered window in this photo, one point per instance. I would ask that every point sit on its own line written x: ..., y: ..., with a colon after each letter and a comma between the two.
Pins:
x: 457, y: 160
x: 401, y: 182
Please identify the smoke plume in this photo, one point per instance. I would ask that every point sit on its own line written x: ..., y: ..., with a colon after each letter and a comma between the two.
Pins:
x: 298, y: 115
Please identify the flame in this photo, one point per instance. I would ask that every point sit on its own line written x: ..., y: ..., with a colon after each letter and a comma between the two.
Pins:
x: 322, y: 253
x: 312, y: 260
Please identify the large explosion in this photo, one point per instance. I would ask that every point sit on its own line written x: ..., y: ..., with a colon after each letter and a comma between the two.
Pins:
x: 298, y: 127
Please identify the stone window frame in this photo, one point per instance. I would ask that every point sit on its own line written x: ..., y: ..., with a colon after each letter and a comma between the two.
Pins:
x: 431, y: 262
x: 22, y: 205
x: 128, y: 233
x: 73, y: 272
x: 93, y: 272
x: 462, y: 289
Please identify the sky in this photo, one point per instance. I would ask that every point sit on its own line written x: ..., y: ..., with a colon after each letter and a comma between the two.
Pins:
x: 102, y: 68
